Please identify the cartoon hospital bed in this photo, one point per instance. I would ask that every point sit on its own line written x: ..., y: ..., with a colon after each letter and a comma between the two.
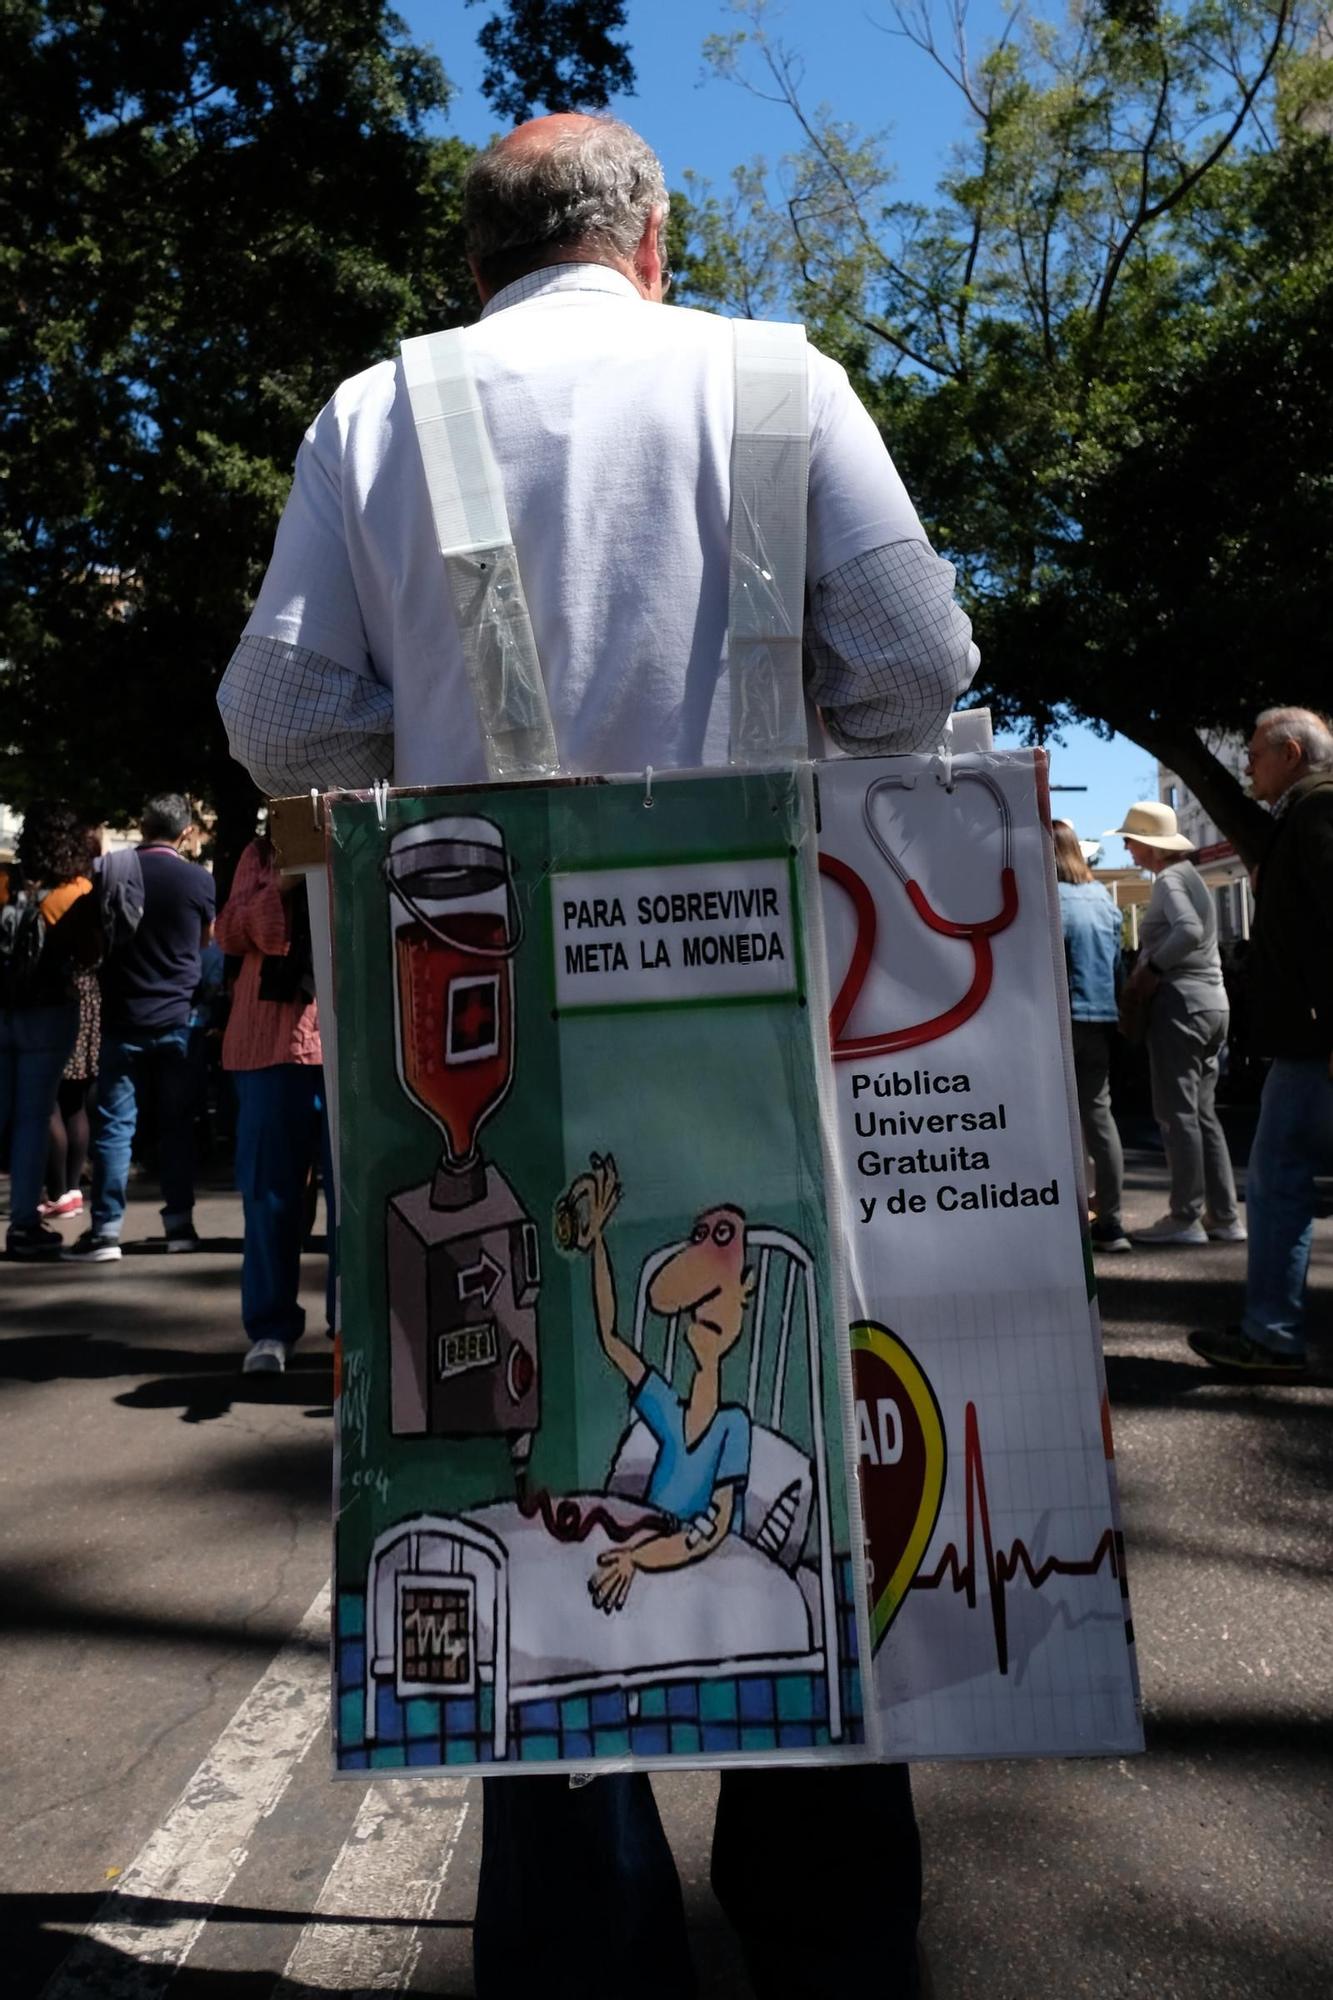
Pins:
x: 455, y: 1603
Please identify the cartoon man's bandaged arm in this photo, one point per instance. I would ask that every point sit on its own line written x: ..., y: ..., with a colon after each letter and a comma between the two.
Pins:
x: 600, y: 1191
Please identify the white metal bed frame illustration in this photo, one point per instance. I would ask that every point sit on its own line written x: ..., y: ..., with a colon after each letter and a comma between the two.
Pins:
x: 462, y: 1548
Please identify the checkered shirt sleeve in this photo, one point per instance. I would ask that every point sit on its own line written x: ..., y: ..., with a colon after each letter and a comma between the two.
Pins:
x: 296, y: 719
x: 887, y: 654
x: 887, y: 650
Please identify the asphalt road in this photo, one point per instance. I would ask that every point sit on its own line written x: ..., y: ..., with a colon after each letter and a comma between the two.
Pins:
x: 166, y: 1530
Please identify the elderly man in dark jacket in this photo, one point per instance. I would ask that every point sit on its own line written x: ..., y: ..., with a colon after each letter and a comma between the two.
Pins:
x: 1291, y: 1004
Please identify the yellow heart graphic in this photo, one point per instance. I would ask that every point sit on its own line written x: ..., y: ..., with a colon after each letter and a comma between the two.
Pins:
x: 902, y: 1460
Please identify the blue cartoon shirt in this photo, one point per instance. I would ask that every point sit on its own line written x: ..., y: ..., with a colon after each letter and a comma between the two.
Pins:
x: 685, y: 1477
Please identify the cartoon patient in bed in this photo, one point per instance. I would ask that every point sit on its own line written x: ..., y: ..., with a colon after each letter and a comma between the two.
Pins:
x: 703, y: 1444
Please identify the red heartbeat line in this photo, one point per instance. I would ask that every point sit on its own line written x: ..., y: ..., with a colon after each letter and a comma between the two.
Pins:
x: 1003, y: 1566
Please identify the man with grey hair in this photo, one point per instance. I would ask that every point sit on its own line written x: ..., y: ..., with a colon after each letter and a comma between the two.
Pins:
x: 611, y: 423
x: 595, y: 187
x: 1290, y: 972
x: 612, y: 430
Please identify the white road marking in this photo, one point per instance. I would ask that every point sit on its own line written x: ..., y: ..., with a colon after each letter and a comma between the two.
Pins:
x: 392, y: 1864
x: 195, y: 1854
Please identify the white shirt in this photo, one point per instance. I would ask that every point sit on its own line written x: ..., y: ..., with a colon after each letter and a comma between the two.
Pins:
x: 611, y: 420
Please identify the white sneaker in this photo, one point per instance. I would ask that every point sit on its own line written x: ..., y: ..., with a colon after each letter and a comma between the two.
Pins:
x: 1170, y: 1230
x: 91, y: 1249
x: 1225, y: 1232
x: 266, y: 1357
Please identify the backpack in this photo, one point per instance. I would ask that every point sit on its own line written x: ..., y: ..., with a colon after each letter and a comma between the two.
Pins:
x: 119, y: 892
x: 22, y: 935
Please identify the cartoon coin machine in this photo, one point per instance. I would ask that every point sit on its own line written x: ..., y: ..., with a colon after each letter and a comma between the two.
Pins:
x: 462, y: 1255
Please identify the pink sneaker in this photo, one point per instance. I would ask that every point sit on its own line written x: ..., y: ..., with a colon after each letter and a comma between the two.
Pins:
x: 68, y: 1204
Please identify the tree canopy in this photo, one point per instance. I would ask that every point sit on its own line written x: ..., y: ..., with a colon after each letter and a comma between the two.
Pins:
x: 1099, y: 354
x: 1096, y: 355
x: 210, y: 215
x: 559, y: 54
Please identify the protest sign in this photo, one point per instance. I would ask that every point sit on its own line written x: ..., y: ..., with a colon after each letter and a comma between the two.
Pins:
x: 595, y: 1398
x: 999, y: 1611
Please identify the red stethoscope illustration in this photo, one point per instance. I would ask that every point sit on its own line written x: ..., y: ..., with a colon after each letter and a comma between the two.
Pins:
x: 979, y: 934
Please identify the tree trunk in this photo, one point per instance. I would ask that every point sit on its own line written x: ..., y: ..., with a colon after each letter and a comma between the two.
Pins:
x: 1245, y: 823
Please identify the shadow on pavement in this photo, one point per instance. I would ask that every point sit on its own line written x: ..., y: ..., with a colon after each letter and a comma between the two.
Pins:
x: 1148, y: 1381
x: 1160, y: 1297
x: 208, y: 1396
x: 155, y: 1246
x: 1234, y: 1735
x: 34, y: 1952
x: 296, y: 1470
x: 31, y: 1603
x: 199, y: 1385
x: 51, y: 1357
x: 86, y: 1907
x: 219, y: 1246
x: 1152, y: 1292
x: 1211, y: 1550
x: 300, y: 1470
x: 1128, y: 1937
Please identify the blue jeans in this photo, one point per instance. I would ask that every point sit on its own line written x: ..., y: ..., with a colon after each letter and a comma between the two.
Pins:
x: 282, y: 1128
x: 1293, y: 1143
x: 818, y: 1871
x: 126, y: 1062
x: 34, y: 1047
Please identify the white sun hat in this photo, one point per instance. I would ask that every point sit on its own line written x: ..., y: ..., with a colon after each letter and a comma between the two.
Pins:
x: 1154, y: 825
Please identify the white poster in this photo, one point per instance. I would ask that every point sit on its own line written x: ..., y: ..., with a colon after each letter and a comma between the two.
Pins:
x: 999, y: 1606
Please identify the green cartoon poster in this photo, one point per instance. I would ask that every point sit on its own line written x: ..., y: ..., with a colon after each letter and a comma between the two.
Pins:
x: 594, y: 1396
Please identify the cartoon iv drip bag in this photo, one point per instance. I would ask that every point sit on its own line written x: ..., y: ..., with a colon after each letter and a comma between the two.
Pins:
x: 455, y: 931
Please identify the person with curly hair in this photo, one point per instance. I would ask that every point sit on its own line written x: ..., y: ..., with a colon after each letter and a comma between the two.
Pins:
x: 43, y: 940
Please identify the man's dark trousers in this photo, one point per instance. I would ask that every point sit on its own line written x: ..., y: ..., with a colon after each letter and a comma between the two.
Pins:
x: 818, y: 1870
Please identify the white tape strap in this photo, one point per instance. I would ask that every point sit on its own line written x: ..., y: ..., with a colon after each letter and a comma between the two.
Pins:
x: 770, y: 462
x: 472, y: 531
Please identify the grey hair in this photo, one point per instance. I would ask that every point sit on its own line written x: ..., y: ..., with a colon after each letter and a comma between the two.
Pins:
x: 591, y: 189
x: 1309, y: 731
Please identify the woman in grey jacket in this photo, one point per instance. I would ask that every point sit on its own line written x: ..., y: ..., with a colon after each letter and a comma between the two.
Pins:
x: 1179, y: 973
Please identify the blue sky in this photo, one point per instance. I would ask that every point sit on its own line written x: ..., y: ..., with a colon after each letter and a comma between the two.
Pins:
x: 699, y: 124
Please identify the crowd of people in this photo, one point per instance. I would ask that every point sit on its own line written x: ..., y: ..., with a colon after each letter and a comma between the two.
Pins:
x: 104, y: 1014
x: 1174, y: 1001
x: 112, y: 979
